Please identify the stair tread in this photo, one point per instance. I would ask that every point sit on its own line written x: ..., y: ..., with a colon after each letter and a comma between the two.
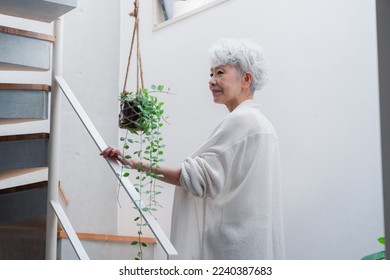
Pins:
x: 19, y: 177
x: 19, y: 172
x: 109, y: 237
x: 9, y: 86
x: 27, y: 33
x: 16, y: 67
x: 23, y: 126
x: 20, y: 137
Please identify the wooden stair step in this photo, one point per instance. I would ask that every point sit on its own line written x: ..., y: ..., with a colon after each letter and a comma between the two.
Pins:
x: 20, y: 177
x: 8, y: 86
x: 27, y: 33
x: 26, y: 187
x: 23, y: 126
x: 109, y: 237
x: 22, y: 137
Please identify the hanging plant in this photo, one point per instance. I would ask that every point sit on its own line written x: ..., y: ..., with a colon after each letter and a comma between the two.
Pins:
x: 129, y: 111
x: 141, y: 114
x: 139, y: 111
x: 144, y: 141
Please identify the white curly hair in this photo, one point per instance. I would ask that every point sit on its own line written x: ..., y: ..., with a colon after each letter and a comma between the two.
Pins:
x: 244, y: 54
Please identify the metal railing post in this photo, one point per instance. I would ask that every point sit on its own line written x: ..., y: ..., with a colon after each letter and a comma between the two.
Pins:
x: 54, y: 142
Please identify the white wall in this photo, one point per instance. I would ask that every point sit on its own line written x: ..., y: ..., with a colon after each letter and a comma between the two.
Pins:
x: 91, y: 67
x: 322, y: 98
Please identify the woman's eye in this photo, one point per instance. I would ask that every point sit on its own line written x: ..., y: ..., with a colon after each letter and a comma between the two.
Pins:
x: 220, y: 72
x: 211, y: 75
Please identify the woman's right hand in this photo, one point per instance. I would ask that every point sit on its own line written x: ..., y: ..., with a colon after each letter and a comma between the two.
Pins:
x: 114, y: 153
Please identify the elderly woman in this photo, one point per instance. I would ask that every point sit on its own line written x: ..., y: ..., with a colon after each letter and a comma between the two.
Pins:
x: 228, y: 201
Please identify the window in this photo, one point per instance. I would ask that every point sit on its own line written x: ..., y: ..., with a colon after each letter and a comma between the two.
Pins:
x: 169, y: 11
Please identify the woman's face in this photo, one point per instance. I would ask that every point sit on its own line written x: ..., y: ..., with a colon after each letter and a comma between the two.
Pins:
x: 227, y: 84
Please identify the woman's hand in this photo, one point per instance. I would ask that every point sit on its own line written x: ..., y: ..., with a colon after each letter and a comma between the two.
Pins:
x: 114, y: 153
x: 169, y: 175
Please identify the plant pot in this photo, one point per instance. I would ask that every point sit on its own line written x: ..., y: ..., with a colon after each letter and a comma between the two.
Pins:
x: 129, y: 115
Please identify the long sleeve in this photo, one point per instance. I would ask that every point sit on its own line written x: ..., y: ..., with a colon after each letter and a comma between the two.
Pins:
x: 203, y: 176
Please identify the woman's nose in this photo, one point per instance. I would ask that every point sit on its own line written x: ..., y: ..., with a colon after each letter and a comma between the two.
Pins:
x: 212, y: 81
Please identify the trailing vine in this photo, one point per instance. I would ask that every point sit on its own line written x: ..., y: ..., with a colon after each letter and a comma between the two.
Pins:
x: 142, y: 116
x: 143, y: 134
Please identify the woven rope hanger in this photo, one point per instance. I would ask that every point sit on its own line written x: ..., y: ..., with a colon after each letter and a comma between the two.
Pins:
x: 129, y: 111
x: 135, y: 37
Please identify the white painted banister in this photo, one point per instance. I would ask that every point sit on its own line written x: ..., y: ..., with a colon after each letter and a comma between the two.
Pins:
x: 74, y: 240
x: 54, y: 143
x: 116, y: 168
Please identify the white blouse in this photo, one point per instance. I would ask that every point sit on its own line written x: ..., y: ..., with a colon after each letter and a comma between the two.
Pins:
x: 229, y: 205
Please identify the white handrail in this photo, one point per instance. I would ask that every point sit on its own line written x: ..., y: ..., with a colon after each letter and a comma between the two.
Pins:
x: 127, y: 185
x: 73, y: 238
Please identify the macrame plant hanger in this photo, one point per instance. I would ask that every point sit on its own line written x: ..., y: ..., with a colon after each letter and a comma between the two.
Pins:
x: 129, y: 111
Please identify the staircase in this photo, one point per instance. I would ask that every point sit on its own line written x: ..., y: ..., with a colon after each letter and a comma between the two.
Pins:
x: 29, y: 149
x: 24, y: 129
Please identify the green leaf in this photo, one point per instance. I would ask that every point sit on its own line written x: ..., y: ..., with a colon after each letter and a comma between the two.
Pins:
x: 144, y: 244
x: 136, y: 219
x: 134, y: 243
x: 376, y: 256
x: 153, y: 87
x: 126, y: 174
x: 145, y: 209
x: 381, y: 240
x: 160, y: 87
x: 122, y: 138
x: 130, y: 140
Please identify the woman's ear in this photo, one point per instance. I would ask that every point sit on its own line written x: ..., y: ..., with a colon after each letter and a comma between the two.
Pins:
x: 247, y: 79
